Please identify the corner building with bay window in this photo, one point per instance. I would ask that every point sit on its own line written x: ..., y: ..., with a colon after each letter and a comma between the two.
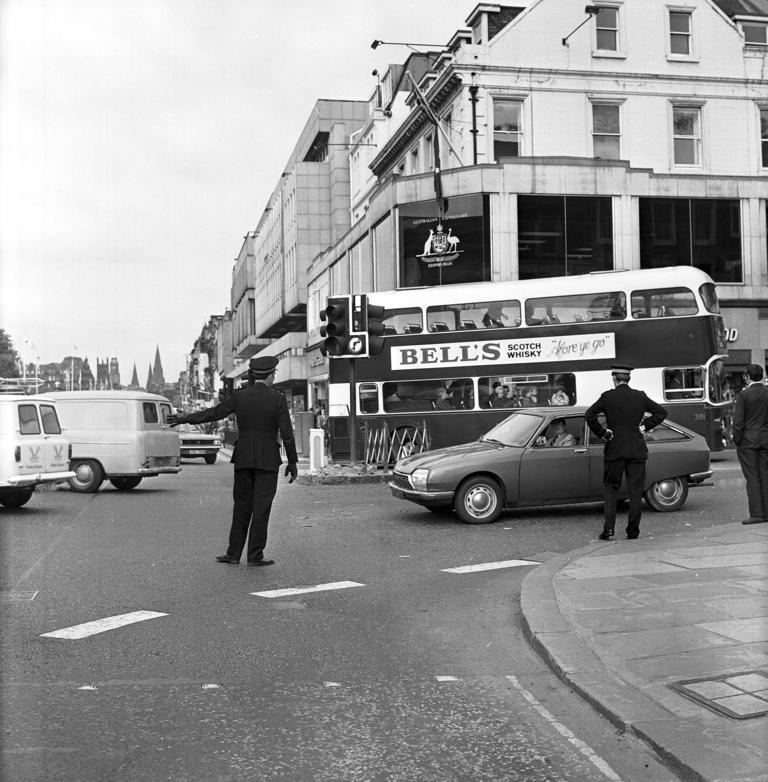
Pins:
x: 569, y: 142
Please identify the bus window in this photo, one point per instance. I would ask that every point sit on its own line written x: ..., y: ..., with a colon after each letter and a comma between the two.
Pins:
x: 421, y: 396
x: 684, y: 383
x: 663, y: 303
x: 527, y: 390
x: 402, y: 321
x: 474, y: 315
x: 709, y: 297
x: 718, y: 382
x: 369, y: 397
x: 576, y: 309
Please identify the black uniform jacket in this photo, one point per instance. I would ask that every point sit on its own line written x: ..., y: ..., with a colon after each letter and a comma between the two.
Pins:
x: 750, y: 417
x: 624, y: 408
x: 261, y: 413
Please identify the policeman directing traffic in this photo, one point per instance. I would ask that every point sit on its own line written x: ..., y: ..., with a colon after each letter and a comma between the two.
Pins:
x: 261, y: 414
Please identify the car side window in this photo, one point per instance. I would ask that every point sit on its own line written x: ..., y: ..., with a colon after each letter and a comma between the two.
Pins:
x: 50, y: 420
x: 150, y: 413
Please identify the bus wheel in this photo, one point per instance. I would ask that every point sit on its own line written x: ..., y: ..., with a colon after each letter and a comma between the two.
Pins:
x: 15, y: 498
x: 478, y: 500
x: 667, y: 495
x: 127, y: 483
x: 88, y: 475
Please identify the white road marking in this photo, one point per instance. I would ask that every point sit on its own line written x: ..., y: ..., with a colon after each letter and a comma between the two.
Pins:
x: 447, y: 678
x: 585, y: 749
x: 305, y: 590
x: 102, y: 625
x: 490, y: 566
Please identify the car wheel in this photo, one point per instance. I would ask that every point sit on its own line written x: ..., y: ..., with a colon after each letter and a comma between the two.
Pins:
x: 210, y: 458
x: 667, y: 495
x: 125, y: 484
x: 478, y: 500
x: 15, y: 498
x: 88, y: 476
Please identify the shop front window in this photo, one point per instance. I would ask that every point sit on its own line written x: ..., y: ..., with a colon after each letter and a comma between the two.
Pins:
x: 700, y: 232
x: 564, y: 235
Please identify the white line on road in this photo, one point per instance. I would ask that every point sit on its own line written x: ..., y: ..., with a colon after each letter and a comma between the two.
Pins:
x: 490, y: 566
x: 305, y: 590
x: 101, y: 625
x: 585, y: 749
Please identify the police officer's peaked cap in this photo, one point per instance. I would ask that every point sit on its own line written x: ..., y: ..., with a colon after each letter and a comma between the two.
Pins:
x: 621, y: 369
x: 263, y: 365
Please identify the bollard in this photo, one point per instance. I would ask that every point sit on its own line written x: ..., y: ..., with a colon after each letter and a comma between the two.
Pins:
x: 316, y: 450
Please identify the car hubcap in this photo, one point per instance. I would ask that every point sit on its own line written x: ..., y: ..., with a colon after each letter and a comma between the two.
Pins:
x: 480, y: 501
x: 83, y: 473
x: 668, y: 491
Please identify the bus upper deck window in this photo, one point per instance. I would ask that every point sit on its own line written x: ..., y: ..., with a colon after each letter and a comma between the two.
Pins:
x: 663, y: 303
x: 402, y: 321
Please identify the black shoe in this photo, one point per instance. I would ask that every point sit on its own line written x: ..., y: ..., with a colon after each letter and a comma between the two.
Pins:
x: 227, y: 560
x: 632, y: 537
x: 606, y: 534
x: 754, y: 521
x: 261, y: 562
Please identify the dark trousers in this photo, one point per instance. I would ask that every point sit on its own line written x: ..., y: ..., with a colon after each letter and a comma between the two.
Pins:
x: 613, y: 472
x: 252, y: 493
x: 754, y: 465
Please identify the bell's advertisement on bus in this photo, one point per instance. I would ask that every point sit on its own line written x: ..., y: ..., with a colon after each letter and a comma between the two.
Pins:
x: 583, y: 347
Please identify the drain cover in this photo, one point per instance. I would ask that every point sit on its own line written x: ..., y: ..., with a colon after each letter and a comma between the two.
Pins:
x: 738, y: 695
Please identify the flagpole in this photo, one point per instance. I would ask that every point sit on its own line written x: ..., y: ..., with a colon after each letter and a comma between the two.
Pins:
x: 432, y: 116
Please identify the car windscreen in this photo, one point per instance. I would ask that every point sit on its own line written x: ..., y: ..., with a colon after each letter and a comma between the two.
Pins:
x: 515, y: 430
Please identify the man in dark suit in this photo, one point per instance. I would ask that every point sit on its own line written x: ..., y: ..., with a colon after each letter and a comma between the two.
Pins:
x: 261, y: 413
x: 625, y: 451
x: 750, y: 434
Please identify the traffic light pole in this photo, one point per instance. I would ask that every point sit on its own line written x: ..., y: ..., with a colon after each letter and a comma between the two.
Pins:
x: 352, y: 413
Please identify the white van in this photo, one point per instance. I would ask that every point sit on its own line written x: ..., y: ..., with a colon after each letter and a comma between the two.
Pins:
x: 118, y: 435
x: 33, y: 450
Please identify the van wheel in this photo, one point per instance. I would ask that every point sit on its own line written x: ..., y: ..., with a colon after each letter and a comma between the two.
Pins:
x: 210, y: 458
x: 15, y: 498
x: 124, y: 484
x: 479, y: 500
x: 88, y: 476
x: 667, y: 495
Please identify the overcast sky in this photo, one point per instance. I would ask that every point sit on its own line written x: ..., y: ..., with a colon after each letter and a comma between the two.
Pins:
x: 139, y: 142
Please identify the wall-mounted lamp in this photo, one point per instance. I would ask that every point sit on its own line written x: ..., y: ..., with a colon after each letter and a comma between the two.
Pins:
x: 377, y: 43
x: 590, y: 11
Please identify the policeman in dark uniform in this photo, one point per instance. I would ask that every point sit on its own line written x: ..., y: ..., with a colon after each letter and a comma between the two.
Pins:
x: 261, y: 413
x: 625, y: 451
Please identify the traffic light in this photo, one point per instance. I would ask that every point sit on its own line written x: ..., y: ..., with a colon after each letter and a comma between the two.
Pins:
x: 337, y: 317
x: 375, y: 328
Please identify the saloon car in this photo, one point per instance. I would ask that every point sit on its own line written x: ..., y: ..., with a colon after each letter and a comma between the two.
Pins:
x: 518, y: 464
x: 196, y: 443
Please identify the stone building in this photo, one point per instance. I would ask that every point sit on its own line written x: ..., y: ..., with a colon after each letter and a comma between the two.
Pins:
x: 630, y: 135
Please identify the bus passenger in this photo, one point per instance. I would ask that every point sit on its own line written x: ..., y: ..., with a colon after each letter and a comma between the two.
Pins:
x: 559, y: 397
x: 444, y: 400
x: 531, y: 397
x: 512, y: 399
x: 493, y: 318
x: 499, y: 397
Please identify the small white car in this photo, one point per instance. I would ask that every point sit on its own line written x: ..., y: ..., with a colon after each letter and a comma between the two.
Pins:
x: 196, y: 443
x: 33, y: 450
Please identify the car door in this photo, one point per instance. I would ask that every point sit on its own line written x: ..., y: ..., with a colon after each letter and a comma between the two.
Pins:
x: 555, y: 473
x: 160, y: 442
x: 55, y: 445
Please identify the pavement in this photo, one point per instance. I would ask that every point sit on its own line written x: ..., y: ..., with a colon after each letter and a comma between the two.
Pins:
x: 666, y: 637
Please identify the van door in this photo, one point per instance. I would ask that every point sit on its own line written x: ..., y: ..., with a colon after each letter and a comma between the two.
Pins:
x: 43, y: 448
x: 160, y: 442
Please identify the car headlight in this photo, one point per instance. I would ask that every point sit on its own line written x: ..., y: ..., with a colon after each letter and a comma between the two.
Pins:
x: 419, y: 479
x: 217, y: 442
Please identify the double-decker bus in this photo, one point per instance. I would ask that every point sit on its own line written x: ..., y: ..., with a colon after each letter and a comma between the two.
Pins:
x: 458, y: 358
